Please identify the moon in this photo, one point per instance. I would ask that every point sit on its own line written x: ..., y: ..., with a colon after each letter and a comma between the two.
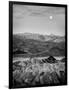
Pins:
x: 50, y: 17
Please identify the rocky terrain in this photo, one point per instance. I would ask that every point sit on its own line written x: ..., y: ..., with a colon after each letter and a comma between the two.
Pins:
x: 35, y: 72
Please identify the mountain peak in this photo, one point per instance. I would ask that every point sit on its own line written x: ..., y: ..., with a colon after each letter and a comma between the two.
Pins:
x: 52, y: 34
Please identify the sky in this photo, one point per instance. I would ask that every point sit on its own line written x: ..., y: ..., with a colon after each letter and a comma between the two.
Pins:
x: 38, y: 19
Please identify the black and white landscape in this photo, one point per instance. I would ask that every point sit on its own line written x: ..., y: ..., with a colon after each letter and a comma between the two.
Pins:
x: 38, y: 46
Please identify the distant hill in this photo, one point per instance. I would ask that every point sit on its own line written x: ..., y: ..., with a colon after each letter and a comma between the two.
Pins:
x: 38, y: 45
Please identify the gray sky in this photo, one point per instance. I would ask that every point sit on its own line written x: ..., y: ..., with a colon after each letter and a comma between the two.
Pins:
x: 38, y: 19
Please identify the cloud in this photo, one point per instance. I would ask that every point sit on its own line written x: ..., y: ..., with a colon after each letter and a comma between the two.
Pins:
x: 20, y: 11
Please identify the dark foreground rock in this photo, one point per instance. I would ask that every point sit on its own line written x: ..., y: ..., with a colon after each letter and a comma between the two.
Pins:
x: 51, y: 59
x: 63, y: 60
x: 41, y: 79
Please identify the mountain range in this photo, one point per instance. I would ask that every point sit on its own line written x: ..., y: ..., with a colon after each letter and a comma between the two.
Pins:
x: 35, y: 36
x: 38, y: 45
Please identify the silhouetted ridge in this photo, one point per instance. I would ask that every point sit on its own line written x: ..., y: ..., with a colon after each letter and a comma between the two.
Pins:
x: 63, y: 60
x: 51, y: 59
x: 19, y: 52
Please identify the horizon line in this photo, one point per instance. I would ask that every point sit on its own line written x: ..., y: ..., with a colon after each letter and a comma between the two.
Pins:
x: 37, y: 33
